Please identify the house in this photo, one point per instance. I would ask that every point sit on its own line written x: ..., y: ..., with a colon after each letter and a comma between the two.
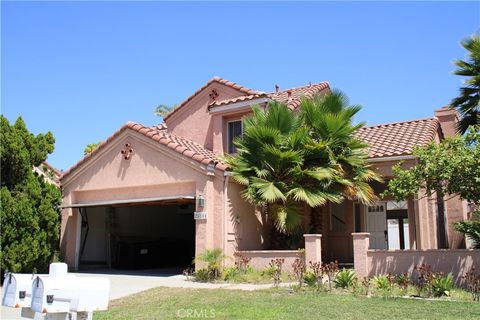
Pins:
x: 51, y: 174
x: 158, y: 195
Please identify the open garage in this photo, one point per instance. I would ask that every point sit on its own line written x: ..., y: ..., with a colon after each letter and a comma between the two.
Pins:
x: 144, y: 199
x: 132, y: 236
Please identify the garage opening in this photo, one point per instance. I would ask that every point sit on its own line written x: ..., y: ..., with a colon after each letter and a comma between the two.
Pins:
x: 138, y: 236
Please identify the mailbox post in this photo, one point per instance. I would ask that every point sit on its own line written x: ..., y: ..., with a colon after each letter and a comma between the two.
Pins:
x: 56, y: 296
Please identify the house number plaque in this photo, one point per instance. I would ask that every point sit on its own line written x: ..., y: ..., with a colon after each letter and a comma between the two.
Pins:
x: 202, y: 215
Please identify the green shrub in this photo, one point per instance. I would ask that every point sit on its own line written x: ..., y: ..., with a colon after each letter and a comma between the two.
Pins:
x: 213, y: 258
x: 442, y: 285
x: 345, y: 278
x: 268, y: 272
x: 310, y: 279
x: 230, y: 272
x: 382, y: 282
x: 202, y: 275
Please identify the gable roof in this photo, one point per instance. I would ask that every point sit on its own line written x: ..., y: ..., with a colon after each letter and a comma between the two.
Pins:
x: 398, y: 138
x: 291, y: 97
x: 159, y: 134
x: 227, y: 83
x: 385, y: 140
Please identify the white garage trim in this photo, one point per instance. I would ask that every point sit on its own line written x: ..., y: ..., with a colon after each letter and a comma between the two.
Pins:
x: 127, y: 201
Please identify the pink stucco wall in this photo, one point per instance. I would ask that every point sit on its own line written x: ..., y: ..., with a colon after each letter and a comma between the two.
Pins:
x: 457, y: 262
x: 261, y: 259
x: 193, y: 121
x: 153, y: 171
x: 375, y: 262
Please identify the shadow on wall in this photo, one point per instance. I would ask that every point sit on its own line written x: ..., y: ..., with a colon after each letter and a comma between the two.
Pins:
x: 457, y: 262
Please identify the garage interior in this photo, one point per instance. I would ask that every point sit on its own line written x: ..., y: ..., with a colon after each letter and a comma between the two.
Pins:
x: 138, y: 236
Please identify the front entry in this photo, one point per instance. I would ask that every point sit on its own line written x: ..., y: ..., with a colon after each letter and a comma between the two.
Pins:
x: 376, y: 225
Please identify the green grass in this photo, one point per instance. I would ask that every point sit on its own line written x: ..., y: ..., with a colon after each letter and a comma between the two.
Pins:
x: 280, y: 303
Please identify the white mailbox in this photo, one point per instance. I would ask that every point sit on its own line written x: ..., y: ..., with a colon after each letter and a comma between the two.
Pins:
x: 70, y: 293
x: 17, y: 290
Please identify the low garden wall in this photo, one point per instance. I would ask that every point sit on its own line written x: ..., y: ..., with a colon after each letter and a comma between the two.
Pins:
x: 374, y: 262
x: 260, y: 259
x: 457, y: 262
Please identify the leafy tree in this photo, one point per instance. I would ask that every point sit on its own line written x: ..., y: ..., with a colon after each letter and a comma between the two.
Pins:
x: 448, y: 168
x: 90, y: 147
x: 468, y: 102
x: 288, y: 159
x: 29, y: 207
x: 163, y: 110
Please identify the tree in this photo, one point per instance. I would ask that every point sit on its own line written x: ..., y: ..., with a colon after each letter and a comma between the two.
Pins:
x: 163, y: 110
x: 90, y: 147
x: 468, y: 102
x: 287, y: 159
x: 451, y: 167
x: 29, y: 207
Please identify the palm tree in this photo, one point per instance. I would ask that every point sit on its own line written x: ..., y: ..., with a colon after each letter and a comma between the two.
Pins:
x: 163, y: 110
x: 468, y: 103
x: 329, y: 120
x: 287, y: 159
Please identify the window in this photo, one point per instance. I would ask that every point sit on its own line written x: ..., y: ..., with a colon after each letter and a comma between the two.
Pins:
x: 234, y: 130
x: 337, y: 217
x: 356, y: 217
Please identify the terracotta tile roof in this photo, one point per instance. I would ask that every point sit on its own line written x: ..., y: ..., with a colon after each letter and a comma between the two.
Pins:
x: 385, y: 140
x: 159, y: 134
x: 231, y: 84
x: 291, y: 97
x: 399, y: 138
x: 239, y: 99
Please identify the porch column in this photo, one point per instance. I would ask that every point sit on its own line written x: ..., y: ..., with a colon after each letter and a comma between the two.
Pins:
x: 361, y: 242
x: 313, y: 248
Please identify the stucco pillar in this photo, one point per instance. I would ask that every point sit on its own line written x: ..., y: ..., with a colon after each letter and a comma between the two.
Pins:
x: 313, y: 248
x: 361, y: 242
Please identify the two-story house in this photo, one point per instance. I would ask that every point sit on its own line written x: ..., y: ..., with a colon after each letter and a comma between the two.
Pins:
x: 156, y: 196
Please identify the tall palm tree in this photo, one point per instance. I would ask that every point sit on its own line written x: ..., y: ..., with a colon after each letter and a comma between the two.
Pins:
x: 329, y: 119
x: 287, y: 159
x: 468, y: 102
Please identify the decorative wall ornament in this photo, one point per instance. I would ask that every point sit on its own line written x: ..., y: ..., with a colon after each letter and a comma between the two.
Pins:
x: 127, y: 151
x: 214, y: 94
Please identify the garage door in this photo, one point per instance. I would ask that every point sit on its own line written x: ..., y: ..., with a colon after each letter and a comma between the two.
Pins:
x: 139, y: 235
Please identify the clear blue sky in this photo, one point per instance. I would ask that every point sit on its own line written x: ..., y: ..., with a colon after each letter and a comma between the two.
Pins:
x: 83, y: 69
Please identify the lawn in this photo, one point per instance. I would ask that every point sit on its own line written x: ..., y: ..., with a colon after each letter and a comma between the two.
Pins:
x: 176, y: 303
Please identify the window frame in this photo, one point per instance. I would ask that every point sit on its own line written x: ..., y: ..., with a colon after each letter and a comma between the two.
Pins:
x: 343, y: 204
x: 361, y: 213
x: 228, y: 134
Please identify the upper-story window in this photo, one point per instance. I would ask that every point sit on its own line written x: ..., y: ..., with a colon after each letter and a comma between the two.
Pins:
x: 235, y: 129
